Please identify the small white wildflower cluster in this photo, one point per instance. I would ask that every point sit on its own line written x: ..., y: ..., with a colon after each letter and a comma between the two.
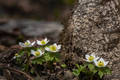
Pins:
x: 39, y: 52
x: 99, y: 62
x: 16, y: 55
x: 27, y: 44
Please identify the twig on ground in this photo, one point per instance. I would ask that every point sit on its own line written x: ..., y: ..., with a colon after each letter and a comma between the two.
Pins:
x: 4, y: 66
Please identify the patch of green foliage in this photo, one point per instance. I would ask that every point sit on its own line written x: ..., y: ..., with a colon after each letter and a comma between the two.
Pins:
x: 90, y: 71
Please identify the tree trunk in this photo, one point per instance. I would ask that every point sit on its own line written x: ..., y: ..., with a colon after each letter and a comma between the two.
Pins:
x: 94, y: 27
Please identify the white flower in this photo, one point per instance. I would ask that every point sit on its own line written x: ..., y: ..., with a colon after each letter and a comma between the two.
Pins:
x: 37, y: 53
x: 27, y: 44
x: 101, y: 62
x: 16, y: 55
x: 91, y: 58
x: 53, y: 48
x: 42, y: 42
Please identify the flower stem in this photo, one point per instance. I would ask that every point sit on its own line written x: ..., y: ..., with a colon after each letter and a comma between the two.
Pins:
x: 29, y: 62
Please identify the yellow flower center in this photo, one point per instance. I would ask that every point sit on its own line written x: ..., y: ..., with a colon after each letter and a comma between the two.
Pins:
x: 27, y: 43
x: 16, y: 54
x: 100, y: 63
x: 43, y: 42
x: 53, y: 48
x: 91, y: 58
x: 37, y: 53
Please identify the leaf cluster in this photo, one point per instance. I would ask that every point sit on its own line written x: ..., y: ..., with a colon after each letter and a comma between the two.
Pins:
x: 90, y: 70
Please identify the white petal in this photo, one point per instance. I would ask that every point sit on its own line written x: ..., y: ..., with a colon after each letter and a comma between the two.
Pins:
x: 106, y: 63
x: 29, y: 45
x: 93, y: 54
x: 101, y: 59
x: 59, y: 47
x: 41, y: 52
x: 55, y: 44
x: 28, y: 41
x: 39, y: 42
x: 46, y: 48
x: 32, y: 52
x: 87, y: 56
x: 33, y: 43
x: 45, y: 39
x: 14, y: 57
x: 21, y: 44
x: 96, y: 62
x: 96, y: 58
x: 55, y: 51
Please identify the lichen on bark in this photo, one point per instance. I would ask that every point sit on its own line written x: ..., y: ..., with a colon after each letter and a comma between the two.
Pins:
x: 94, y: 27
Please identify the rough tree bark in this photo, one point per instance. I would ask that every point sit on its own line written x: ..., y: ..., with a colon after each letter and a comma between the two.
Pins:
x: 94, y: 26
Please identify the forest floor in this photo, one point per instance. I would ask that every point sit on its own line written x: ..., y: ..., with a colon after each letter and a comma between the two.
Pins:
x: 14, y: 31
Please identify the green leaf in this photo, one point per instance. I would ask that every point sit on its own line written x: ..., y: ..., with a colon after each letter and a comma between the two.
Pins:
x: 76, y: 72
x: 63, y: 65
x: 25, y: 67
x: 21, y: 52
x: 77, y: 65
x: 48, y: 58
x: 100, y: 73
x: 54, y: 57
x: 29, y: 54
x: 107, y: 70
x: 94, y: 71
x: 38, y: 60
x: 80, y: 68
x: 91, y: 67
